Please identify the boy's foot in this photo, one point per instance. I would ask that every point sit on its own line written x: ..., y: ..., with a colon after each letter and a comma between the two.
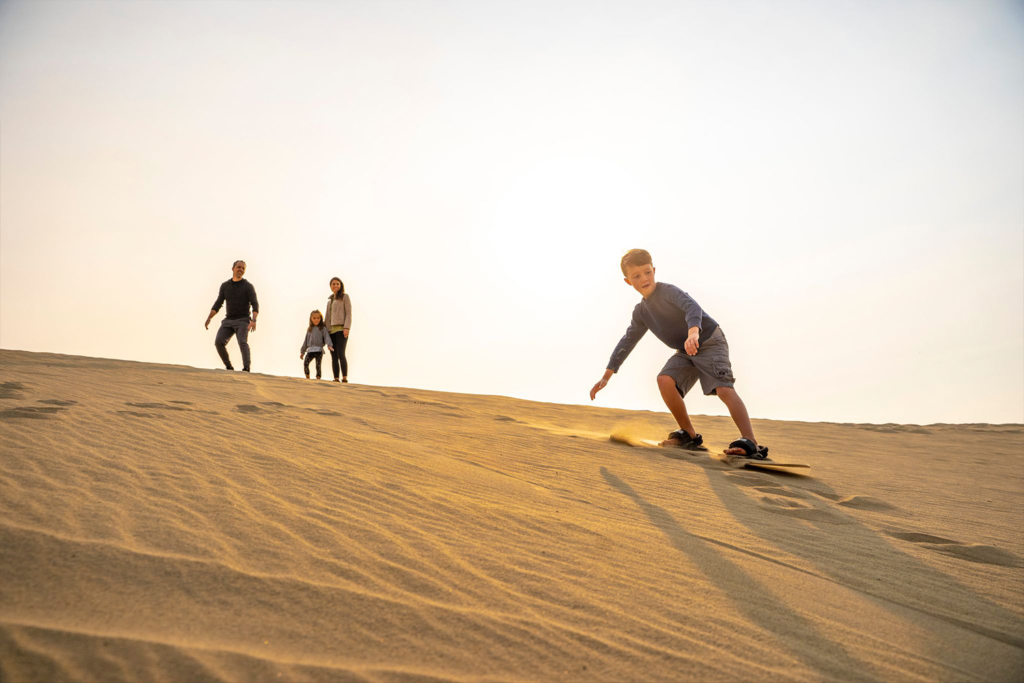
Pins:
x: 680, y: 439
x: 745, y: 448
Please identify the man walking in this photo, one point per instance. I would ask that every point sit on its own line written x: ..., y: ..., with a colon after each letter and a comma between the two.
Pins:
x: 239, y: 295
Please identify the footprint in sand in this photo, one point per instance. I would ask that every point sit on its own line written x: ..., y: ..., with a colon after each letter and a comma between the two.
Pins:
x: 800, y: 511
x: 56, y: 402
x: 753, y: 480
x: 135, y: 413
x: 325, y: 411
x: 865, y: 503
x: 972, y: 552
x: 29, y: 413
x: 247, y: 408
x: 178, y: 407
x: 779, y: 491
x: 11, y: 389
x: 785, y: 503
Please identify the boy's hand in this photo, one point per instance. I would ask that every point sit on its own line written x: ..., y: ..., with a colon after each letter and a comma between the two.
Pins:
x: 692, y: 344
x: 601, y: 384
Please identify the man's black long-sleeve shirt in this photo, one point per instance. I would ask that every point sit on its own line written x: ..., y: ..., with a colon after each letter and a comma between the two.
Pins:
x: 239, y: 296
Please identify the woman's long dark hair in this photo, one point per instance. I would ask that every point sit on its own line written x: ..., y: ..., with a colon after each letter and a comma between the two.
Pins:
x: 341, y: 290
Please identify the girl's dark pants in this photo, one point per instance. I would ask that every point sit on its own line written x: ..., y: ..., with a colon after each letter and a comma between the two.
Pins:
x: 310, y: 356
x: 338, y: 354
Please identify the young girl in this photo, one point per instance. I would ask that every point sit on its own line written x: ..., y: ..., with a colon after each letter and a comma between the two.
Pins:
x: 317, y: 337
x: 339, y: 317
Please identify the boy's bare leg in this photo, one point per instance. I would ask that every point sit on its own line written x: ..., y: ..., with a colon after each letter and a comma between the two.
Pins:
x: 675, y: 404
x: 738, y: 411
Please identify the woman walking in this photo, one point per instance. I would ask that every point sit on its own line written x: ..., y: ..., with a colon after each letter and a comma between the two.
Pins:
x: 339, y: 319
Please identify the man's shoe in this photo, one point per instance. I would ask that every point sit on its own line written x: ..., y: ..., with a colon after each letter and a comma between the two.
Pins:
x: 245, y: 369
x: 307, y: 375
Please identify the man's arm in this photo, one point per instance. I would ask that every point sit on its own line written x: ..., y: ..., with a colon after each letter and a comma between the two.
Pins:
x: 216, y: 306
x: 255, y: 307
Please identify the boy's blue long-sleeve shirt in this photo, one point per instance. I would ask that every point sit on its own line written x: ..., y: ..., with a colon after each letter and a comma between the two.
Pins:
x: 669, y: 313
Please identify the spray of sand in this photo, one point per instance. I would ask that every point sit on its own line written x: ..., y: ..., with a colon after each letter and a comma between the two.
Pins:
x: 629, y: 435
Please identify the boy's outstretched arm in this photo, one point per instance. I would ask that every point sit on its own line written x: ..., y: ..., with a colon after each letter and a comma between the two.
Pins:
x: 637, y: 329
x: 601, y: 384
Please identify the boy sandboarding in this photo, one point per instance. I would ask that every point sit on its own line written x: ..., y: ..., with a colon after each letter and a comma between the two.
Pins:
x: 702, y: 352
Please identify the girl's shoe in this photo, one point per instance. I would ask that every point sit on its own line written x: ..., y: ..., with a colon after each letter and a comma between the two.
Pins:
x: 344, y: 380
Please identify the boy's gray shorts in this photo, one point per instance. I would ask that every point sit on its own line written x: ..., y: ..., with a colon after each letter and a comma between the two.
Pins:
x: 711, y: 366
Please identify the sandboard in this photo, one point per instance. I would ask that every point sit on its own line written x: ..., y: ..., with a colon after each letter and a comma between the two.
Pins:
x: 766, y: 464
x: 732, y: 460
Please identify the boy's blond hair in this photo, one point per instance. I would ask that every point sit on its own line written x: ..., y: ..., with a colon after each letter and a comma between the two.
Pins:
x: 635, y: 257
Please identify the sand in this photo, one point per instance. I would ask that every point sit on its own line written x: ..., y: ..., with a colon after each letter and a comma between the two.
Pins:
x: 168, y: 523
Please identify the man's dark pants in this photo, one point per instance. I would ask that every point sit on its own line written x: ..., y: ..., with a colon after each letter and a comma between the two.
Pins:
x: 231, y: 327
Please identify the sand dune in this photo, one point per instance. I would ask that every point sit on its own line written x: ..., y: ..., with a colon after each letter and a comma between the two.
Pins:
x: 172, y: 524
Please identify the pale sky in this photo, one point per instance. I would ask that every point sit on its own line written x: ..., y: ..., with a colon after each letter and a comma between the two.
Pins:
x: 839, y: 184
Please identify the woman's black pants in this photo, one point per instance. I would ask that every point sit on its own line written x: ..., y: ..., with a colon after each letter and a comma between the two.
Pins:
x: 339, y: 340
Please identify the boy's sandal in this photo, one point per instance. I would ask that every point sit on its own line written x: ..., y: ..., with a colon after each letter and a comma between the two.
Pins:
x: 680, y: 439
x: 750, y: 450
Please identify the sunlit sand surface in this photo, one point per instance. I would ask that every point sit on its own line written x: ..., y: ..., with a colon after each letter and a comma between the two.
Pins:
x: 167, y: 523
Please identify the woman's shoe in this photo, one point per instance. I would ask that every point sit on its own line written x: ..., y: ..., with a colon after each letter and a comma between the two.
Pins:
x: 344, y: 380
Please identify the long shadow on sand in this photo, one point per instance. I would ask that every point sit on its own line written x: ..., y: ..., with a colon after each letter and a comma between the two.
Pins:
x: 827, y: 658
x: 898, y: 581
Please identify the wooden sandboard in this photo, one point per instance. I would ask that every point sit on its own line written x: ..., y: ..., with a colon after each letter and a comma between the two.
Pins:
x: 766, y: 464
x: 730, y: 460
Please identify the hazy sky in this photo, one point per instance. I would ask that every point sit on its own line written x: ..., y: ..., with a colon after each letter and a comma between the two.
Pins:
x: 839, y: 184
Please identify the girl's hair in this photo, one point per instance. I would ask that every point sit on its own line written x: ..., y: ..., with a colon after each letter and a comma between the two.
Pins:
x: 320, y: 325
x: 341, y: 290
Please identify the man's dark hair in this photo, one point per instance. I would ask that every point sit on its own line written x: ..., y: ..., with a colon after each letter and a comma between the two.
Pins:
x: 635, y: 257
x: 237, y: 262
